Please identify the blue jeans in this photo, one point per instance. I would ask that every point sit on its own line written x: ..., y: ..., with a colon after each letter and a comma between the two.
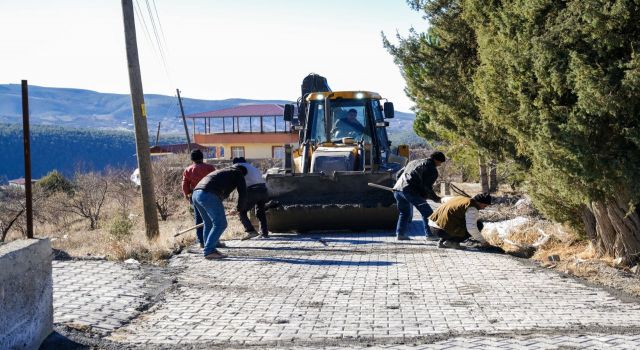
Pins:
x: 406, y: 201
x: 213, y: 216
x: 198, y: 218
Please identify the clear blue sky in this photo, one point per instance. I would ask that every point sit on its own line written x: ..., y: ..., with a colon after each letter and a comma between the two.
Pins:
x: 214, y: 49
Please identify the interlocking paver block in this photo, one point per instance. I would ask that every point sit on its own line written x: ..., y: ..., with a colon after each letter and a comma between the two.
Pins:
x: 358, y: 290
x: 103, y: 295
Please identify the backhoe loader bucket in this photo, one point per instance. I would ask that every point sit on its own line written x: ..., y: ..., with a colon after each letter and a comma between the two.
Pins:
x: 341, y: 201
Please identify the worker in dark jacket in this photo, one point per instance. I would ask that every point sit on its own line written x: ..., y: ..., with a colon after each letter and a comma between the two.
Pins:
x: 208, y: 196
x: 413, y: 188
x: 457, y: 220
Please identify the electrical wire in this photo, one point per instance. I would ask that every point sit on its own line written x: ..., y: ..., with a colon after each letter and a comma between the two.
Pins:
x: 157, y: 36
x: 138, y: 11
x: 164, y: 38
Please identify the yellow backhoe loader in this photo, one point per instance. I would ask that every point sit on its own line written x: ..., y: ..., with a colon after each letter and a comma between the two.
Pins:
x: 343, y: 146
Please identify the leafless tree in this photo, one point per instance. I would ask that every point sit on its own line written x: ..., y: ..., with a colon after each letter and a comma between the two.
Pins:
x: 167, y: 178
x: 11, y: 209
x: 88, y: 198
x: 121, y: 189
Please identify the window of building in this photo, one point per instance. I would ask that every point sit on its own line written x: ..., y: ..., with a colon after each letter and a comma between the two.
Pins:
x: 277, y: 152
x: 237, y: 151
x: 210, y: 152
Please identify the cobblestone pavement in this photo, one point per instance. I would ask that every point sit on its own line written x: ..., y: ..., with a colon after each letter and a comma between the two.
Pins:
x: 98, y: 295
x: 351, y: 291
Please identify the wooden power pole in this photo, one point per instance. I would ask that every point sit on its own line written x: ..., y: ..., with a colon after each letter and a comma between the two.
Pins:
x: 140, y: 122
x: 27, y: 158
x: 184, y: 121
x: 158, y: 134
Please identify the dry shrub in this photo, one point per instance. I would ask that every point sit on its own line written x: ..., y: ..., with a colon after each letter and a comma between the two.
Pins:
x: 265, y: 164
x: 167, y: 180
x: 141, y: 249
x: 531, y: 238
x: 122, y: 191
x: 12, y: 208
x: 88, y: 197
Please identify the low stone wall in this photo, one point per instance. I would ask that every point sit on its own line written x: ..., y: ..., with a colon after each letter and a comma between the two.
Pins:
x: 26, y: 293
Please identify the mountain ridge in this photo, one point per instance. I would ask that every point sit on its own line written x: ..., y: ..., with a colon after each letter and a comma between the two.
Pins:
x: 73, y: 107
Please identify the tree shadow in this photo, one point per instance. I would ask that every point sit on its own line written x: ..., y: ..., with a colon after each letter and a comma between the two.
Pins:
x: 313, y: 262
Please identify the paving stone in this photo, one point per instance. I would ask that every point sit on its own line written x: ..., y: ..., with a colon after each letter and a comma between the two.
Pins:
x: 81, y: 286
x: 359, y: 289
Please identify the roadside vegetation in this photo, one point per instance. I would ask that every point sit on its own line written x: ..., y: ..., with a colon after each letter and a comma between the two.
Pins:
x: 549, y: 88
x: 99, y: 214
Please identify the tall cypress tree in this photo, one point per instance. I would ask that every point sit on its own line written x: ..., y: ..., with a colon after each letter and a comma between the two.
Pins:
x: 563, y: 77
x: 555, y: 84
x: 438, y: 67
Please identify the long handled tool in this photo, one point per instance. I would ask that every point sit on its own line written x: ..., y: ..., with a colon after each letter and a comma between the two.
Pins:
x: 188, y: 229
x: 178, y: 233
x: 388, y: 189
x: 381, y: 187
x: 457, y: 190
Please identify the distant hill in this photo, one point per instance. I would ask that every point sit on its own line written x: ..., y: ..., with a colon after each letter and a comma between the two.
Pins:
x: 90, y: 109
x: 72, y: 126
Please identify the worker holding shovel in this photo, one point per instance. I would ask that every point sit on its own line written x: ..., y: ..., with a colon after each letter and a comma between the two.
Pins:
x: 413, y: 187
x: 207, y: 198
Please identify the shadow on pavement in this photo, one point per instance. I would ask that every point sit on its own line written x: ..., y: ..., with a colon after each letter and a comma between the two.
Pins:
x: 321, y: 262
x: 57, y: 341
x: 293, y: 249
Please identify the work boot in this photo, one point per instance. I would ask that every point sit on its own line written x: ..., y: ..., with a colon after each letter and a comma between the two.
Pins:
x: 402, y: 238
x: 215, y: 255
x: 221, y: 245
x: 195, y: 250
x: 250, y: 235
x: 264, y: 235
x: 432, y: 237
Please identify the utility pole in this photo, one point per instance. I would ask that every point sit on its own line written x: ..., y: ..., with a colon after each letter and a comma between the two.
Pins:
x: 27, y: 158
x: 184, y: 121
x: 158, y: 134
x: 140, y: 122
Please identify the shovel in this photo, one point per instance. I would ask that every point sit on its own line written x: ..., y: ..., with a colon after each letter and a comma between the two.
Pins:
x: 178, y: 233
x: 381, y: 187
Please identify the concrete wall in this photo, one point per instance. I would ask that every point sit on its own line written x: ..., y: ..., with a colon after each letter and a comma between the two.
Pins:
x: 26, y: 294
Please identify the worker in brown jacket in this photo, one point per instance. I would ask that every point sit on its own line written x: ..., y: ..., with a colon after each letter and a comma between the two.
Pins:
x: 457, y: 220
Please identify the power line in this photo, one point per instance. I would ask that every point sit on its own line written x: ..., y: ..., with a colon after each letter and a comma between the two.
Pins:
x: 157, y: 36
x: 159, y: 47
x: 164, y: 38
x: 138, y: 11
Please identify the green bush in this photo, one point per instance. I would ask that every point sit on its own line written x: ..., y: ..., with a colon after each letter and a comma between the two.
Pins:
x: 55, y: 182
x: 121, y: 227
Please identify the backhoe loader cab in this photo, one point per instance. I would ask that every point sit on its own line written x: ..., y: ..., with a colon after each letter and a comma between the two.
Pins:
x: 343, y: 131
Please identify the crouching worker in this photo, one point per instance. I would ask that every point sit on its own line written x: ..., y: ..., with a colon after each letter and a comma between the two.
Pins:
x: 207, y: 198
x: 256, y: 198
x: 457, y: 220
